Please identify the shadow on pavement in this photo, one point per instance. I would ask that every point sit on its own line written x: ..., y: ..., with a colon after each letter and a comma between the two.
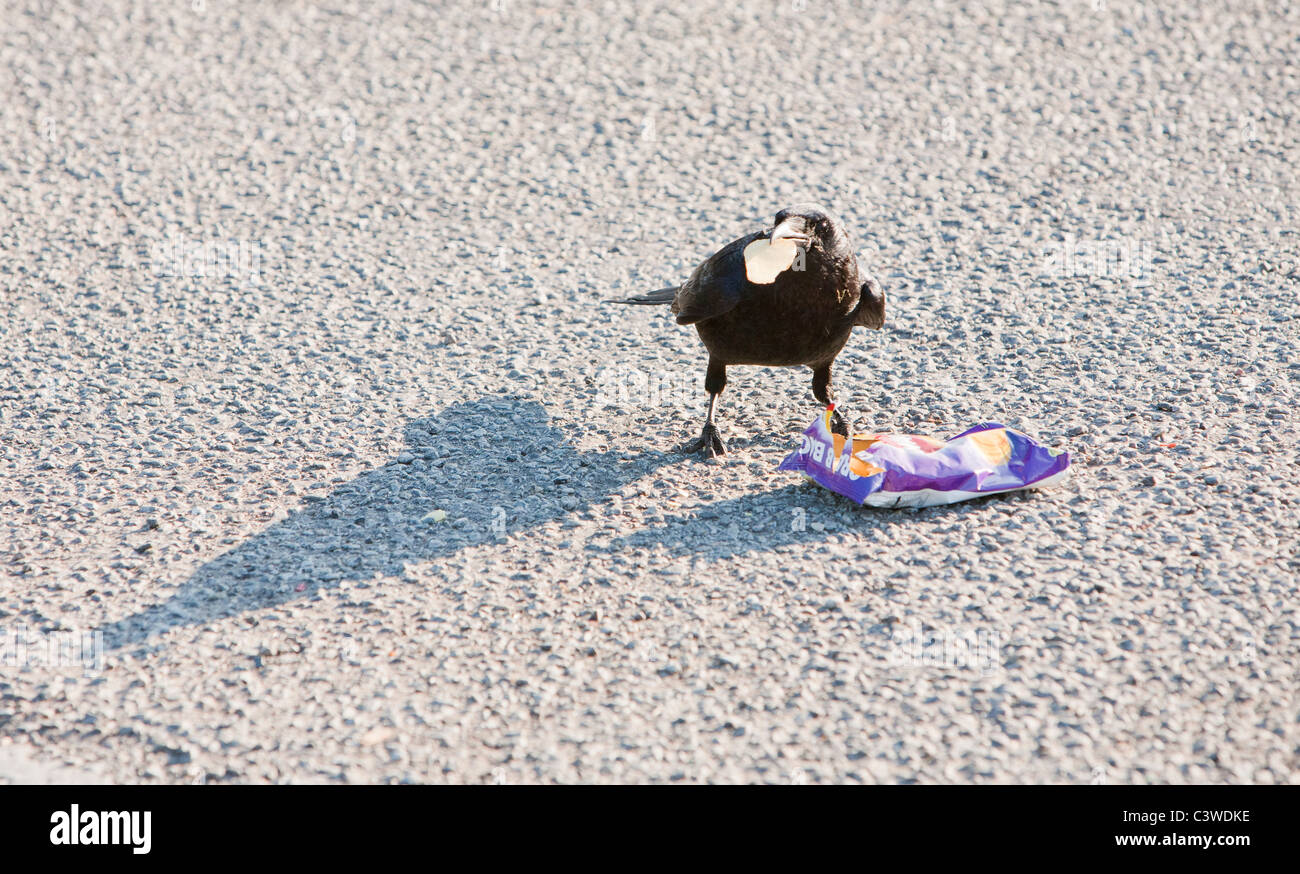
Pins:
x: 490, y: 464
x: 758, y: 522
x: 493, y: 466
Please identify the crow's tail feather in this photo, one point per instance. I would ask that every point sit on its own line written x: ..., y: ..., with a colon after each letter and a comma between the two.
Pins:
x: 650, y: 298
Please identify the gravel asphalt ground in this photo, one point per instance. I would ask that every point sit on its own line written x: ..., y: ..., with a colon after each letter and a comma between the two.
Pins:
x: 314, y: 418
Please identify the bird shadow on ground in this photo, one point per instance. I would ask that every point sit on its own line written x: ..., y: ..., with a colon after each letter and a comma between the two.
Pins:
x: 798, y: 513
x: 492, y: 466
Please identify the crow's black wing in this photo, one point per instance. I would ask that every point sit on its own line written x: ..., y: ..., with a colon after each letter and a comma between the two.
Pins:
x: 871, y: 305
x: 716, y: 286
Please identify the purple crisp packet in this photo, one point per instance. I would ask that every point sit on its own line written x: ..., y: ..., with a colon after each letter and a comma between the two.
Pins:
x: 911, y: 470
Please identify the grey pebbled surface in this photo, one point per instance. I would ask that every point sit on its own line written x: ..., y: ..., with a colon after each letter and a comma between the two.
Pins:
x: 238, y: 478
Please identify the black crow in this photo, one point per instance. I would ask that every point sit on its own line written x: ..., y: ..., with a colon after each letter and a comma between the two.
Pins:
x: 787, y: 296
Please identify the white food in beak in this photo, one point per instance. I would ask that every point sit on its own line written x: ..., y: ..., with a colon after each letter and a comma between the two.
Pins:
x: 765, y: 259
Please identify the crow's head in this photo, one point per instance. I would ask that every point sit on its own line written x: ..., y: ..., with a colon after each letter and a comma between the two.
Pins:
x: 801, y: 233
x: 809, y: 226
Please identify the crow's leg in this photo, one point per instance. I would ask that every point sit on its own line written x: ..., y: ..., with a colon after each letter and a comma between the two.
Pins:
x: 710, y: 441
x: 822, y: 391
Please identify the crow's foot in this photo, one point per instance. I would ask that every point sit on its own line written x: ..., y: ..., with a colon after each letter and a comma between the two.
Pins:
x: 709, y: 442
x: 839, y: 425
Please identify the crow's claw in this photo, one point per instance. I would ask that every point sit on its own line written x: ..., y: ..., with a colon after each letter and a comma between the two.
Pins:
x: 709, y: 442
x: 839, y: 425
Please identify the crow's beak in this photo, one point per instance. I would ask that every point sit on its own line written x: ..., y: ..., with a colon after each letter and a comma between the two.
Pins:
x: 791, y: 229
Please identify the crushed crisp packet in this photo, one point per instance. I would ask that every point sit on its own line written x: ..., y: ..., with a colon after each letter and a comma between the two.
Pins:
x: 910, y: 470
